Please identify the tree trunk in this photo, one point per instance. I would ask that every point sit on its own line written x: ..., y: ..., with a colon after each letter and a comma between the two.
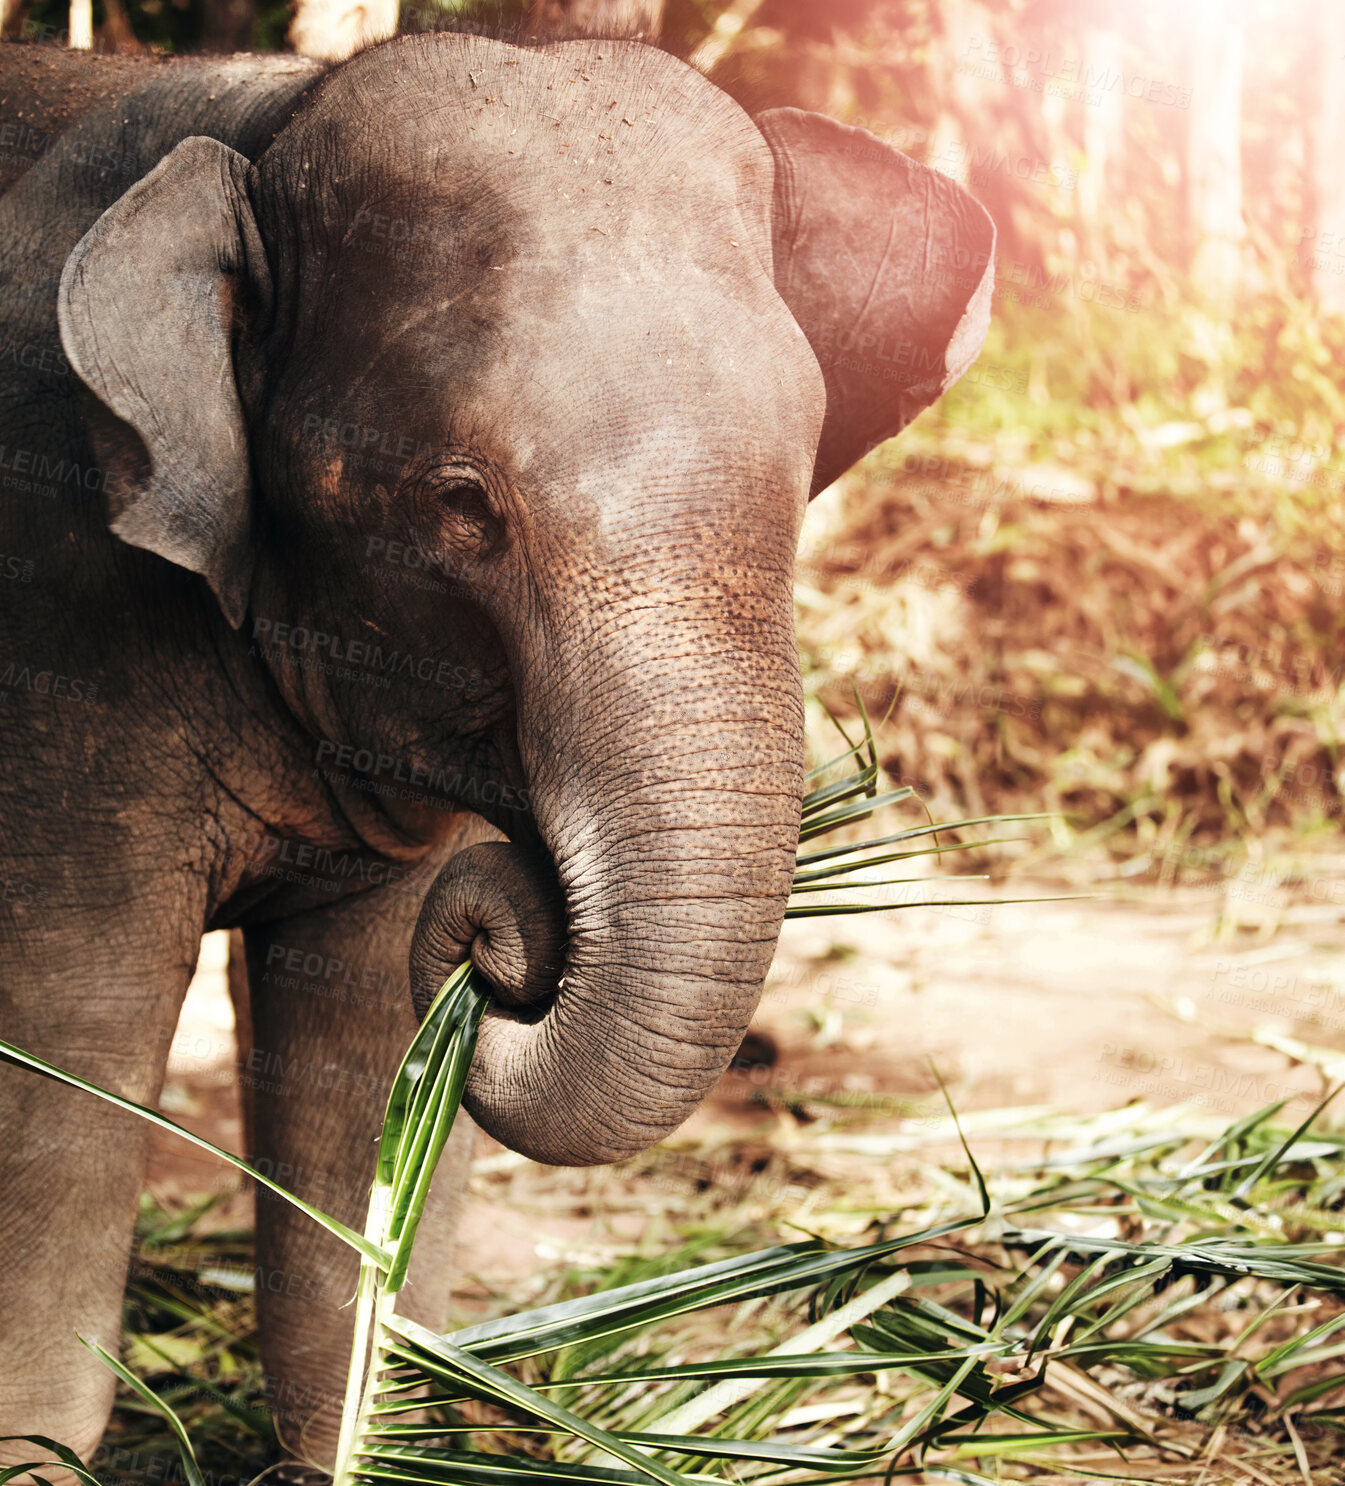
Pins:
x: 1104, y: 137
x: 964, y: 32
x: 81, y: 25
x: 1214, y: 148
x: 1324, y: 235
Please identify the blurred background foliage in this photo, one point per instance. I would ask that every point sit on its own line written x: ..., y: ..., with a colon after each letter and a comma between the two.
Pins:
x: 1105, y: 574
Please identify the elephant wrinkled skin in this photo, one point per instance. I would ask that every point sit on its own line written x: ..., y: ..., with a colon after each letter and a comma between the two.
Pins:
x: 402, y: 465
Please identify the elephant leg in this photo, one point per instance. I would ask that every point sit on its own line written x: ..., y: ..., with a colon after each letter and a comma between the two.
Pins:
x: 80, y: 990
x: 331, y: 1020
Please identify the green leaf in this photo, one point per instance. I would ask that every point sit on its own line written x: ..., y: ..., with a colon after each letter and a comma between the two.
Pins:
x: 189, y: 1465
x: 714, y: 1447
x: 1273, y: 1158
x: 817, y: 874
x: 849, y: 813
x: 63, y: 1453
x: 438, y: 1356
x: 810, y: 1365
x: 912, y: 833
x: 770, y: 1272
x: 439, y: 1082
x: 981, y: 1444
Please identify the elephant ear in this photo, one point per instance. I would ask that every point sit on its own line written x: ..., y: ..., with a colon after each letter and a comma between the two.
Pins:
x: 150, y: 303
x: 888, y: 267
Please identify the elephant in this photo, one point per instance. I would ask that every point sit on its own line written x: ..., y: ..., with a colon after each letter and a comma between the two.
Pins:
x: 402, y: 463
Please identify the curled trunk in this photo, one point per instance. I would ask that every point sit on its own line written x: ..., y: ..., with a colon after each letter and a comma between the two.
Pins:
x: 667, y: 814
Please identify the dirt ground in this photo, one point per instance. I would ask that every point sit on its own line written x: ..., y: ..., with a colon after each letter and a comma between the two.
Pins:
x: 1220, y: 999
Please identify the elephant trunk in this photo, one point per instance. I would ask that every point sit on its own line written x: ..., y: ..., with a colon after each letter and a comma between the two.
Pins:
x: 629, y: 954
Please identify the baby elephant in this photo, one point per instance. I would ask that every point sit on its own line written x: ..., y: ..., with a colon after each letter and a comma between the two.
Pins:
x: 401, y: 468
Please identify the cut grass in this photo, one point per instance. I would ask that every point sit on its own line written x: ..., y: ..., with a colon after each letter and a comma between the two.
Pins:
x: 1160, y: 1295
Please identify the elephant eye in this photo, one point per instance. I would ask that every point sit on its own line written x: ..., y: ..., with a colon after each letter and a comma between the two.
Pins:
x: 470, y: 515
x: 465, y: 501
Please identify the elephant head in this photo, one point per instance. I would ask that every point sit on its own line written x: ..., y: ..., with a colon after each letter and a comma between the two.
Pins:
x: 570, y: 325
